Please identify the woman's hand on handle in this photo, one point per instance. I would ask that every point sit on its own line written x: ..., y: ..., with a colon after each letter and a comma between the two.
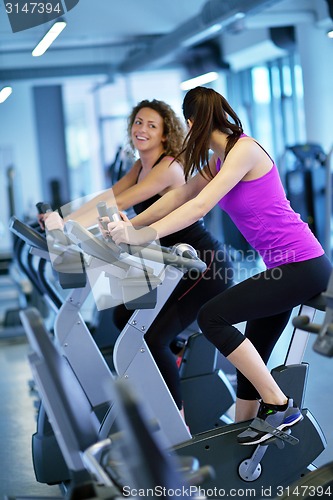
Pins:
x: 40, y: 220
x: 52, y: 220
x: 104, y: 221
x: 103, y: 226
x: 124, y: 232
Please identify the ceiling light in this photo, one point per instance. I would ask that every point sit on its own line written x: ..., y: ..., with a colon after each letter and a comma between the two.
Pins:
x: 5, y: 93
x: 330, y: 33
x: 48, y: 38
x: 199, y: 80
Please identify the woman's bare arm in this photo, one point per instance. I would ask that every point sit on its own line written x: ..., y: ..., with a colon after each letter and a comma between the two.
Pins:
x: 193, y: 204
x: 170, y: 201
x: 163, y: 177
x: 87, y: 213
x: 127, y: 192
x: 239, y: 162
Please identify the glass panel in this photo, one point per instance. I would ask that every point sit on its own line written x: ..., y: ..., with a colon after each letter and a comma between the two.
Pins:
x: 114, y: 98
x: 298, y: 75
x: 262, y: 106
x: 286, y: 75
x: 161, y: 85
x: 81, y: 137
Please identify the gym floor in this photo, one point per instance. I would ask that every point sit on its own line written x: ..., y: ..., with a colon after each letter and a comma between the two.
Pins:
x: 18, y: 413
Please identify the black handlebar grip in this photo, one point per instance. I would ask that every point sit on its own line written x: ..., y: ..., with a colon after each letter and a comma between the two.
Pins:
x: 43, y: 208
x: 303, y: 323
x: 57, y: 234
x: 39, y: 206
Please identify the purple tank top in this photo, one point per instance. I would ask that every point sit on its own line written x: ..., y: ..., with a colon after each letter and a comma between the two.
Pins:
x: 260, y: 210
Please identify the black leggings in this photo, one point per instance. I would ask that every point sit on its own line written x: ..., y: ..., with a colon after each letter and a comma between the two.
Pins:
x: 181, y: 310
x: 265, y: 301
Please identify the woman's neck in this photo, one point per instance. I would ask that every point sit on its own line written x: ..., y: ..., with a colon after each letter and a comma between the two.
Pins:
x: 218, y: 142
x: 149, y: 158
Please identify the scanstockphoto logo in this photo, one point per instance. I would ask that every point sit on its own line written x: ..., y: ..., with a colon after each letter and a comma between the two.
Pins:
x: 23, y: 15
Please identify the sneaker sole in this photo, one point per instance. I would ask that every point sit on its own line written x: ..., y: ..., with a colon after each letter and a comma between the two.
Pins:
x: 268, y: 436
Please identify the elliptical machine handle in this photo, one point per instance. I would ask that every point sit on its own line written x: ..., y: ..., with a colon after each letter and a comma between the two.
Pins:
x: 57, y: 234
x: 110, y: 212
x: 113, y: 215
x: 186, y: 258
x: 303, y: 323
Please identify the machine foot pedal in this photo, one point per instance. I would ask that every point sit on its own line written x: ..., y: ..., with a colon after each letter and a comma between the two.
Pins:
x: 262, y: 426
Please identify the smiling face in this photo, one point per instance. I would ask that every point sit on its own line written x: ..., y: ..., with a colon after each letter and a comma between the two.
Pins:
x: 147, y: 130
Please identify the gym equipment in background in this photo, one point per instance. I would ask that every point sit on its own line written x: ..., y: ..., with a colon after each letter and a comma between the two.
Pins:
x: 308, y: 185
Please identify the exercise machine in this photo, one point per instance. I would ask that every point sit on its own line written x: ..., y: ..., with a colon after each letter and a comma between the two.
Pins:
x: 308, y: 182
x: 318, y: 483
x: 148, y: 466
x: 279, y: 462
x: 14, y: 289
x: 206, y: 391
x: 48, y: 462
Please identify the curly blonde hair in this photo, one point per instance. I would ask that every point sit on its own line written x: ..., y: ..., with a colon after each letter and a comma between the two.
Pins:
x: 174, y: 130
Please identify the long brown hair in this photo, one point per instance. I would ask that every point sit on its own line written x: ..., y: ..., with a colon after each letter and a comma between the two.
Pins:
x: 173, y: 128
x: 209, y: 111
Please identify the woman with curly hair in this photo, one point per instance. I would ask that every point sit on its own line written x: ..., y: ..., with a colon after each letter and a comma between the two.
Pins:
x: 157, y: 134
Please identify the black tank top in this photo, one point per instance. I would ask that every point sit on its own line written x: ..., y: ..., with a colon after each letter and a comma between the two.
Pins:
x: 195, y: 234
x: 143, y: 205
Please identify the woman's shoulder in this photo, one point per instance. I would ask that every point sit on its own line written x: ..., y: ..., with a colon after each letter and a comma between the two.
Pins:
x: 248, y: 141
x: 249, y: 145
x: 169, y: 161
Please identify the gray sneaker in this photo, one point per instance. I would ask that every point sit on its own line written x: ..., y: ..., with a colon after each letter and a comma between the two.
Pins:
x: 278, y: 417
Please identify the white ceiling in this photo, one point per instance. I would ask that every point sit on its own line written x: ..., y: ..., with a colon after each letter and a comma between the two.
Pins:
x: 102, y: 34
x: 93, y: 22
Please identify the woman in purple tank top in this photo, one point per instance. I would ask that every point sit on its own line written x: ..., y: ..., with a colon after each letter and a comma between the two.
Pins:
x: 242, y: 178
